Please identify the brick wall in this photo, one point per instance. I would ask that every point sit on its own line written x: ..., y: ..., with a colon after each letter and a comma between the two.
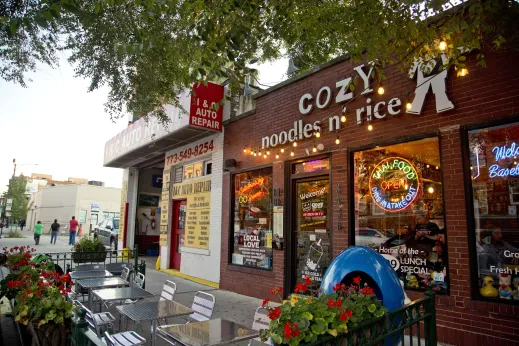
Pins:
x: 485, y: 94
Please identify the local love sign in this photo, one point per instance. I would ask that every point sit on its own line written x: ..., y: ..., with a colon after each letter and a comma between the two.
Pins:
x: 206, y: 111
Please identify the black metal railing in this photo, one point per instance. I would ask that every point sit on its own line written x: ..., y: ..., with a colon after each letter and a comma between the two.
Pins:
x: 69, y: 261
x: 413, y: 324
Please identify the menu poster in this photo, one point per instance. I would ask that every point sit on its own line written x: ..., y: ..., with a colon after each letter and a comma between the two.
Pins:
x: 164, y: 208
x: 255, y: 248
x: 198, y: 196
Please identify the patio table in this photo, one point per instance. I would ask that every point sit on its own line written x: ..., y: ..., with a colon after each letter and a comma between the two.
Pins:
x: 152, y: 311
x: 121, y: 293
x: 78, y: 275
x: 215, y: 332
x: 91, y: 284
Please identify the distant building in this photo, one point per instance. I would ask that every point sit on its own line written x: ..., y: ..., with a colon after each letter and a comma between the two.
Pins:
x: 90, y: 204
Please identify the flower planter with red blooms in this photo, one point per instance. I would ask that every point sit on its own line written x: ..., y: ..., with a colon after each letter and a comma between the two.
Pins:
x: 39, y: 296
x: 305, y: 319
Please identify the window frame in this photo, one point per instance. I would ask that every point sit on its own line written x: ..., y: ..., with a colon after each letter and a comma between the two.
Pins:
x: 469, y: 204
x: 351, y: 189
x: 230, y: 238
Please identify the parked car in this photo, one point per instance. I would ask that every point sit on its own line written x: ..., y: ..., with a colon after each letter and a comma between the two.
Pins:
x: 369, y: 237
x: 108, y: 232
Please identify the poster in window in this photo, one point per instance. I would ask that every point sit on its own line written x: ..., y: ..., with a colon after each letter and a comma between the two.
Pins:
x: 253, y: 223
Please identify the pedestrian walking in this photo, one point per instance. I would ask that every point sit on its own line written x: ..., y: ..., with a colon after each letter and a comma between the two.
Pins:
x: 38, y: 230
x: 22, y: 224
x: 73, y: 228
x: 54, y: 229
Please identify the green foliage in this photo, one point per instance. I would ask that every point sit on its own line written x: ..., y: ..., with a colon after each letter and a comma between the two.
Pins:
x: 14, y: 234
x: 89, y: 244
x: 147, y: 51
x: 16, y: 191
x: 39, y: 293
x: 307, y: 318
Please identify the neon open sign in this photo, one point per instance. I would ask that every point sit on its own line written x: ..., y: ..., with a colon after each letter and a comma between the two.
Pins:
x: 394, y: 184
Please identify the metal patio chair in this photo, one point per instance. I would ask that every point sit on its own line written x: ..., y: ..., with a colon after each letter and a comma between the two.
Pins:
x: 97, y: 321
x: 130, y: 338
x: 261, y: 321
x: 90, y: 267
x: 203, y: 306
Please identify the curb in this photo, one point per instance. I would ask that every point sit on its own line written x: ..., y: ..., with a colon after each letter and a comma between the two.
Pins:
x: 177, y: 273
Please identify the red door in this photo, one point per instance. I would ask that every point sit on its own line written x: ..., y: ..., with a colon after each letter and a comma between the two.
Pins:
x: 177, y: 240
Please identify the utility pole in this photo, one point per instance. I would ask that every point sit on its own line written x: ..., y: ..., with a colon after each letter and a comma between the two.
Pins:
x: 14, y: 170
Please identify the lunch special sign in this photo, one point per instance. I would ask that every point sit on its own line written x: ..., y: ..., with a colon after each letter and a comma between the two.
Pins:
x: 198, y: 196
x: 394, y: 184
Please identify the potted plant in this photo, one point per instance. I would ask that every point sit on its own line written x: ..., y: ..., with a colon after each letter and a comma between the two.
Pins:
x: 39, y: 295
x: 89, y: 249
x: 305, y: 319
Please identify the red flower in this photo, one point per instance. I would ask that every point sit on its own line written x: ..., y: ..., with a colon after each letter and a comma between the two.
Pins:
x: 307, y: 280
x: 338, y: 303
x: 345, y: 315
x: 276, y: 290
x: 265, y: 302
x: 337, y: 287
x: 300, y: 288
x: 38, y: 293
x: 274, y: 313
x: 367, y: 291
x: 356, y: 280
x: 287, y: 331
x: 331, y: 303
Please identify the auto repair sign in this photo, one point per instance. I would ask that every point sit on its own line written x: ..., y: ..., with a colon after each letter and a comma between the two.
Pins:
x: 206, y: 111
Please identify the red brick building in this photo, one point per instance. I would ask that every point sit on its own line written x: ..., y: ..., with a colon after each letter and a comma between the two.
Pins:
x: 436, y: 191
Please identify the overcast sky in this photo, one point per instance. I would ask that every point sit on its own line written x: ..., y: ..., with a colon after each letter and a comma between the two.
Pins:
x: 57, y: 124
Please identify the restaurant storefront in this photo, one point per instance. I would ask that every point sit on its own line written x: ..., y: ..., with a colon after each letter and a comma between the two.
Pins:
x: 422, y: 170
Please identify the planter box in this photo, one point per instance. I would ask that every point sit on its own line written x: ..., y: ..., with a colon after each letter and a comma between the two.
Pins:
x: 89, y: 257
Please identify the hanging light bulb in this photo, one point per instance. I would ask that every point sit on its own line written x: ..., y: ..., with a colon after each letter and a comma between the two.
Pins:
x: 292, y: 153
x: 255, y: 154
x: 260, y: 153
x: 408, y: 105
x: 265, y: 156
x: 437, y: 167
x: 337, y: 140
x: 442, y: 46
x: 318, y: 134
x: 428, y: 166
x: 282, y: 150
x: 381, y: 90
x: 314, y: 149
x: 463, y: 72
x: 245, y: 150
x: 430, y: 189
x: 295, y: 144
x: 268, y: 152
x: 343, y: 118
x: 277, y: 156
x: 370, y: 127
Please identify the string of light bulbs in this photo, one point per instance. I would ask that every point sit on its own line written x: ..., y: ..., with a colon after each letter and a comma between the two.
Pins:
x: 442, y: 46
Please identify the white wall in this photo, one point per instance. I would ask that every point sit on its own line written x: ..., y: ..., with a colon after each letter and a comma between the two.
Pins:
x: 64, y: 201
x: 201, y: 263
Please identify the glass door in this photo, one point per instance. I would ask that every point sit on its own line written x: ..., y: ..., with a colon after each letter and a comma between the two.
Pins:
x: 311, y: 228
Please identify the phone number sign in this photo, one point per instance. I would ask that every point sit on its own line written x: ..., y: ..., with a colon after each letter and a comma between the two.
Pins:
x: 191, y: 152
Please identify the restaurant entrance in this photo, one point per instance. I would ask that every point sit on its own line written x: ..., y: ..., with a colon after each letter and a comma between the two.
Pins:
x: 310, y: 220
x: 177, y: 239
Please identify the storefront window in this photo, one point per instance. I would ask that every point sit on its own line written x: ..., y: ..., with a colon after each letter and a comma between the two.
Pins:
x: 252, y: 233
x: 494, y: 157
x: 399, y: 210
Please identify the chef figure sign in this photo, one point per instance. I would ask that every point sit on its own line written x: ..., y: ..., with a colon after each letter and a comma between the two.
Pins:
x: 434, y: 80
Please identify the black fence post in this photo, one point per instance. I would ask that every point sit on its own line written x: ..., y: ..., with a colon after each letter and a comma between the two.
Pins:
x: 79, y: 327
x: 430, y: 321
